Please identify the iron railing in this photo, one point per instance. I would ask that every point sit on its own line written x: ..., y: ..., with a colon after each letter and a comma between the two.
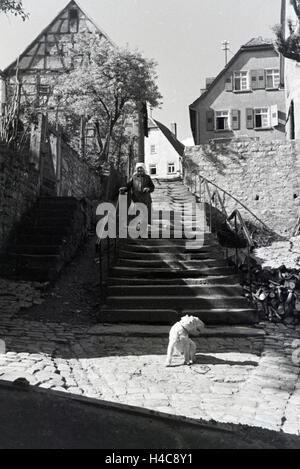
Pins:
x: 211, y: 194
x: 107, y: 249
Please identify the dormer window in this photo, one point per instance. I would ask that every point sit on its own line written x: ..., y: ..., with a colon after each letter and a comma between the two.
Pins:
x: 241, y: 81
x: 73, y: 20
x: 272, y: 79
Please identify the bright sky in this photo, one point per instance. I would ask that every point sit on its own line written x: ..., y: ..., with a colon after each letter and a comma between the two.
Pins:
x: 183, y: 36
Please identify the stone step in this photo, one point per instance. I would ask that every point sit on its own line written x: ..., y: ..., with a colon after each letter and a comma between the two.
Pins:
x: 42, y: 221
x: 220, y: 280
x: 168, y: 272
x: 37, y: 274
x: 35, y: 260
x: 36, y: 249
x: 178, y: 263
x: 40, y: 239
x: 229, y: 291
x: 210, y: 317
x: 139, y: 250
x: 197, y: 302
x: 164, y: 256
x: 47, y: 231
x: 140, y: 330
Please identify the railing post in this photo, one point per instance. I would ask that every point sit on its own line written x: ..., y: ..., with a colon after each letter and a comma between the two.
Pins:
x: 100, y: 268
x: 108, y: 252
x: 249, y: 268
x: 200, y: 189
x: 236, y: 248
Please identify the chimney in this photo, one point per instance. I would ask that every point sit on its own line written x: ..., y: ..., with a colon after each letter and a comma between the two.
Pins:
x: 174, y: 129
x: 209, y: 81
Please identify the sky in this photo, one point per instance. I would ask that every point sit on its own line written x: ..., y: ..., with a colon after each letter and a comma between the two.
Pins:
x: 183, y: 36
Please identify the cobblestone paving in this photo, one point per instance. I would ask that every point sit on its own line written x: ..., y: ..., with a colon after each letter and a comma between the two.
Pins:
x: 231, y: 382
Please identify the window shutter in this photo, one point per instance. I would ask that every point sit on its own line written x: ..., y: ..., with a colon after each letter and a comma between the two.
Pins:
x: 249, y: 118
x: 229, y: 82
x: 235, y: 119
x: 254, y: 85
x: 274, y: 115
x: 210, y: 120
x: 261, y: 79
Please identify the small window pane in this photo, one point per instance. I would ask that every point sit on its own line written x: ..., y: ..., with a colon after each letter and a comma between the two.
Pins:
x: 171, y: 168
x: 153, y: 170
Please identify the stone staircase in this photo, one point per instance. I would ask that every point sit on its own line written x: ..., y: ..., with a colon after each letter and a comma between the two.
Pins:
x: 46, y: 240
x: 156, y: 281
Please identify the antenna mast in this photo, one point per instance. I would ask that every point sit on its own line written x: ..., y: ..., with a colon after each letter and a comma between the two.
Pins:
x: 225, y: 48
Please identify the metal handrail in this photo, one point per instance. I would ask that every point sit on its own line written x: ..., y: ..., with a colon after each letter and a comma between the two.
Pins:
x: 107, y: 251
x: 233, y: 220
x: 236, y: 200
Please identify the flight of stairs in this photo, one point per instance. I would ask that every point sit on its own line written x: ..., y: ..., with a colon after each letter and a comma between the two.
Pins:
x: 156, y: 281
x: 46, y: 240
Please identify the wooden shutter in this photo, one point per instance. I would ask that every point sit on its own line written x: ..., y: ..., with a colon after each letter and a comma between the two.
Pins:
x: 254, y: 80
x: 210, y: 120
x: 274, y: 115
x: 261, y: 79
x: 258, y: 79
x: 249, y: 118
x: 235, y: 119
x: 229, y: 82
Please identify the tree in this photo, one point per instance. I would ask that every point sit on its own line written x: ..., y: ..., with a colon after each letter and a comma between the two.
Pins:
x: 14, y: 7
x: 289, y: 46
x: 104, y: 85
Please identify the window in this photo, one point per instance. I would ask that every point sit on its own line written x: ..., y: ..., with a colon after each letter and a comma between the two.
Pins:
x: 241, y: 81
x: 73, y: 20
x: 153, y: 149
x: 262, y: 118
x: 43, y: 94
x: 222, y: 120
x: 272, y: 79
x: 153, y: 170
x: 171, y: 168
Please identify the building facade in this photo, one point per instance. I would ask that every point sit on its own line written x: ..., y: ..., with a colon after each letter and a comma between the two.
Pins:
x: 163, y: 151
x: 47, y: 55
x: 247, y: 99
x: 291, y: 75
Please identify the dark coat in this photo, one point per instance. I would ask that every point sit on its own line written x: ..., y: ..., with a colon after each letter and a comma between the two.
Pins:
x: 136, y: 187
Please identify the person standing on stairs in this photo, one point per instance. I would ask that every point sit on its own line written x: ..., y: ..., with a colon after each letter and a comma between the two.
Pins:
x: 140, y: 188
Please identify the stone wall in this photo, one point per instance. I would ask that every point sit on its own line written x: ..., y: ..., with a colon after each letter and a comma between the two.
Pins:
x: 20, y: 184
x: 19, y: 188
x: 263, y: 176
x: 77, y: 178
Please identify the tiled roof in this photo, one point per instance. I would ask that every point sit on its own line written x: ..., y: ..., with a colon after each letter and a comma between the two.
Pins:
x: 179, y: 147
x: 253, y: 43
x: 259, y: 41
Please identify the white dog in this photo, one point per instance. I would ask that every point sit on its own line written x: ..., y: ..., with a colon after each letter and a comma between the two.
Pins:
x: 179, y: 339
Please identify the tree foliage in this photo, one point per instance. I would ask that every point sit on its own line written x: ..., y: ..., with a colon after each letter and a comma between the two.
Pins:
x: 14, y: 7
x: 289, y: 46
x: 103, y: 85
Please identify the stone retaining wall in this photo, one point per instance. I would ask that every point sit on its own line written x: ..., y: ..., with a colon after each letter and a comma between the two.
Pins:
x: 78, y: 179
x: 19, y: 188
x: 263, y: 176
x: 20, y: 184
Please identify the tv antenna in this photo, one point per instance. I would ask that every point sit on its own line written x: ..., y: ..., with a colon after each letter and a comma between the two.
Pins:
x: 225, y: 48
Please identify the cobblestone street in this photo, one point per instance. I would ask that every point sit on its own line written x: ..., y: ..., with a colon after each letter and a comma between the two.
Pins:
x: 235, y: 380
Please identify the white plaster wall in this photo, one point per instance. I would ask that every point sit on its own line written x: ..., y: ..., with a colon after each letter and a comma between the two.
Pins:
x: 165, y: 154
x: 219, y: 99
x: 292, y: 78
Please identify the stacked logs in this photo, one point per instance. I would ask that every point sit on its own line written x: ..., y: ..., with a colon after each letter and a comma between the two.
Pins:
x: 275, y: 292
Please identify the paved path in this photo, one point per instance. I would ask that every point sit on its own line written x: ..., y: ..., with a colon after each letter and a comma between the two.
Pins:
x: 236, y: 380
